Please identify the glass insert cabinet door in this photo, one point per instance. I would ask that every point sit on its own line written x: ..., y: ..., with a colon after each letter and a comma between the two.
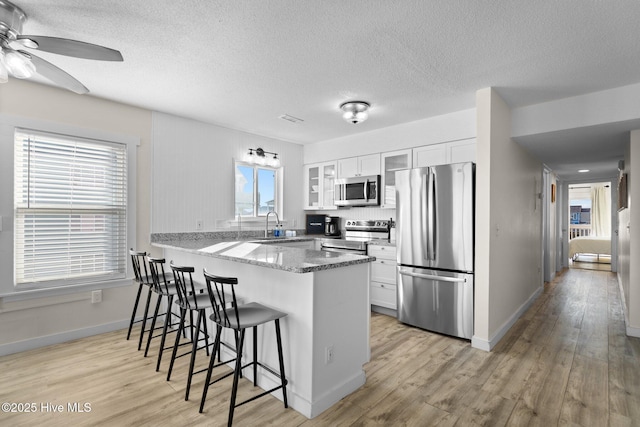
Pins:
x: 392, y: 162
x: 319, y: 190
x: 328, y: 178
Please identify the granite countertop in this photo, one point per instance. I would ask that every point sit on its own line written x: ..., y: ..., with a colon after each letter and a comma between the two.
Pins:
x: 271, y: 253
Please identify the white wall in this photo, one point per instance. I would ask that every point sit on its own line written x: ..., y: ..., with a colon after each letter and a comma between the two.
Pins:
x: 629, y: 240
x: 40, y: 320
x: 193, y: 174
x: 609, y: 106
x: 508, y: 223
x: 433, y: 130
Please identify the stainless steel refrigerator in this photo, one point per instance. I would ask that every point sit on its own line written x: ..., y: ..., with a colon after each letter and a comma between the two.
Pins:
x: 435, y: 246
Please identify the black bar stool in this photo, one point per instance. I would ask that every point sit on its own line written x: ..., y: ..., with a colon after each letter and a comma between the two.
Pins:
x: 165, y: 290
x: 143, y: 279
x: 239, y: 318
x: 189, y: 300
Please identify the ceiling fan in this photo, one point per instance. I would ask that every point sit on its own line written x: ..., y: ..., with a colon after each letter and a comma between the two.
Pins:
x: 22, y: 64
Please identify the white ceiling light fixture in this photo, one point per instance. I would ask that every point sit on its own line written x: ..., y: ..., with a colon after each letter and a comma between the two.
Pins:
x: 583, y: 170
x: 260, y: 158
x: 355, y: 111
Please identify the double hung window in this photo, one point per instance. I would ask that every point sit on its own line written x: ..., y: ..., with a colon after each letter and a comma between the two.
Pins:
x: 70, y: 202
x: 255, y: 190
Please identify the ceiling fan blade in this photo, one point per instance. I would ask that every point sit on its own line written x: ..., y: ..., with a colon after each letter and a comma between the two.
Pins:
x: 73, y: 48
x: 57, y: 76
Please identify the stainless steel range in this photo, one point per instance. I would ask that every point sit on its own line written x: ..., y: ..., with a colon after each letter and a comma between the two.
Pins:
x: 357, y: 234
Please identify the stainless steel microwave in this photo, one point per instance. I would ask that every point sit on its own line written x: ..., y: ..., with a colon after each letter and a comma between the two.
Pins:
x: 357, y: 191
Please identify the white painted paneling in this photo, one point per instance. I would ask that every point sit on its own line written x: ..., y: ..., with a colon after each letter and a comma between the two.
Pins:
x: 193, y: 174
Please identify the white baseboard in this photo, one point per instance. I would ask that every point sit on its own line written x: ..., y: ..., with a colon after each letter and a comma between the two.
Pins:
x: 30, y: 344
x: 631, y: 331
x: 488, y: 345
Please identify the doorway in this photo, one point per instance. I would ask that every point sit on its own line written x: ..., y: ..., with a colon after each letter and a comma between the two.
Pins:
x: 589, y: 219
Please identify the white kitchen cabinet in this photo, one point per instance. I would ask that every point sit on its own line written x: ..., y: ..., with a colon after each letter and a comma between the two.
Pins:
x: 382, y: 284
x: 430, y: 155
x: 319, y: 186
x: 390, y: 163
x: 359, y: 166
x: 462, y: 151
x: 445, y: 153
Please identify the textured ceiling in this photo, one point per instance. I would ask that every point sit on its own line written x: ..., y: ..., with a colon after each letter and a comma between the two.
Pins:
x: 242, y: 64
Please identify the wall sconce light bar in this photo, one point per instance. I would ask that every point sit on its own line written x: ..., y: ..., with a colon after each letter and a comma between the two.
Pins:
x: 258, y: 156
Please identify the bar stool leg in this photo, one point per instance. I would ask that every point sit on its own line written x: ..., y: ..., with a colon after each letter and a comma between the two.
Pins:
x: 194, y: 350
x: 167, y: 320
x: 153, y: 324
x: 144, y: 319
x: 183, y: 314
x: 281, y: 361
x: 135, y: 308
x: 255, y: 356
x: 212, y: 362
x: 236, y: 375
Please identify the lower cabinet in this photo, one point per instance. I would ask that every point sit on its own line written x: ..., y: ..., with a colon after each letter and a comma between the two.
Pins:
x: 382, y: 285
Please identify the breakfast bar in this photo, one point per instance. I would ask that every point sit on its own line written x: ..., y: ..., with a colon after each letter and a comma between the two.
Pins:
x: 325, y: 296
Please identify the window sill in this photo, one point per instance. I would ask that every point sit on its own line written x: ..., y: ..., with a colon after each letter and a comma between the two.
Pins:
x: 57, y: 295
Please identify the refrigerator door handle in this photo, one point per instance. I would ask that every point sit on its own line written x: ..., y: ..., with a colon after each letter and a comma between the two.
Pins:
x: 431, y: 229
x: 432, y: 277
x: 424, y: 213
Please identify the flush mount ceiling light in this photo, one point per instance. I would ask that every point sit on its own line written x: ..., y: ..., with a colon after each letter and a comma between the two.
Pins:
x: 583, y: 170
x: 355, y: 111
x: 260, y: 158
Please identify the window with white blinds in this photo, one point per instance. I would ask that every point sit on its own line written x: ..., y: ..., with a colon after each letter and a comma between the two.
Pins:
x: 70, y: 204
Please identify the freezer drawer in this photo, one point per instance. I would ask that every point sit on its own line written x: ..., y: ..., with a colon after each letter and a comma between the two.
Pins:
x: 435, y: 300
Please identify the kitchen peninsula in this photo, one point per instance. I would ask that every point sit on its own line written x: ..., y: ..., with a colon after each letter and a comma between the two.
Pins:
x: 326, y: 296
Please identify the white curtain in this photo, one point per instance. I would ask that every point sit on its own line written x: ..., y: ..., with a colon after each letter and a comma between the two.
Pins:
x: 600, y: 211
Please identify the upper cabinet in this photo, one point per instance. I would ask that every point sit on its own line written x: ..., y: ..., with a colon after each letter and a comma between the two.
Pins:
x: 390, y: 163
x: 319, y: 180
x: 450, y: 152
x: 359, y: 166
x: 462, y: 151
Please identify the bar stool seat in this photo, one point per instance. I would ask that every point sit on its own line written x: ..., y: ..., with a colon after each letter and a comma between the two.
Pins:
x: 239, y: 318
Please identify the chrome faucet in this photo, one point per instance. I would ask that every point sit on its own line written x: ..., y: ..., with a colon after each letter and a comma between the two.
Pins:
x: 266, y: 226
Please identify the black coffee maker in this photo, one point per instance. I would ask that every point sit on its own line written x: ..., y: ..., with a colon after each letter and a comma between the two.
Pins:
x: 332, y: 226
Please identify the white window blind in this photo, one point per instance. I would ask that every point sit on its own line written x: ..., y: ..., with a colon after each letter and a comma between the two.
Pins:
x: 70, y: 209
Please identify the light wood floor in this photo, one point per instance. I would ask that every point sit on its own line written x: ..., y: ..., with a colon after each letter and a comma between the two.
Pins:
x: 591, y: 262
x: 567, y: 361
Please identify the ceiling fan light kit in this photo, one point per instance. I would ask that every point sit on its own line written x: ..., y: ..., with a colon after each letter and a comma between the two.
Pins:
x: 23, y: 65
x: 355, y: 111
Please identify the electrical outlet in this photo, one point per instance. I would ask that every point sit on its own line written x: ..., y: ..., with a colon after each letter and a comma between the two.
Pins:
x: 96, y: 296
x: 328, y: 355
x: 199, y: 224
